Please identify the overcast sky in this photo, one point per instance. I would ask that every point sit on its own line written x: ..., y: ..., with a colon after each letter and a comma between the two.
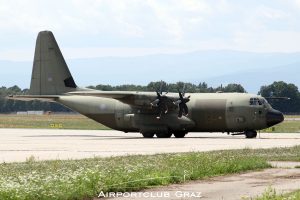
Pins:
x: 96, y: 28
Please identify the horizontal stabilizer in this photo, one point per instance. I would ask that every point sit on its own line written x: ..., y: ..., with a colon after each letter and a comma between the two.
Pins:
x: 51, y: 98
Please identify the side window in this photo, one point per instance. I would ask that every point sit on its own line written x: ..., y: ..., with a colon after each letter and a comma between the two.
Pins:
x: 252, y: 101
x: 259, y: 102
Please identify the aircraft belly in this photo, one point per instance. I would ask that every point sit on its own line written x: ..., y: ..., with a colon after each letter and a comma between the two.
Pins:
x: 209, y: 115
x: 105, y: 119
x: 170, y: 122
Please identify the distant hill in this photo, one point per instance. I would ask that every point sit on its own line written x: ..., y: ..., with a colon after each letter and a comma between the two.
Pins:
x: 216, y: 67
x: 253, y: 79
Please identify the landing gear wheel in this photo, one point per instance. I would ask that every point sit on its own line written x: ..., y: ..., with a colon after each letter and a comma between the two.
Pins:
x: 179, y: 134
x: 148, y: 135
x: 163, y: 135
x: 250, y: 134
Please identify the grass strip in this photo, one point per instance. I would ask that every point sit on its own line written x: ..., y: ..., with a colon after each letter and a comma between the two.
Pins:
x: 271, y: 194
x: 275, y: 154
x: 50, y: 122
x: 72, y: 121
x: 84, y: 179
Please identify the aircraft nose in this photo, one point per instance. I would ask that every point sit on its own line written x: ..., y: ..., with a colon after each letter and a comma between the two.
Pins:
x: 274, y: 117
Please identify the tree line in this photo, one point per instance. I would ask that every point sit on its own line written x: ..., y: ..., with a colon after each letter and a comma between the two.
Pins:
x: 276, y: 89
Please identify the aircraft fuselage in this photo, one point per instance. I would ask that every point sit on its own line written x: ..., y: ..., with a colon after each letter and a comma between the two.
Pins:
x: 209, y: 112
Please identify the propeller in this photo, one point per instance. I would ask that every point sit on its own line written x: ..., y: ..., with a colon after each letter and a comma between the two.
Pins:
x: 181, y: 103
x: 159, y: 101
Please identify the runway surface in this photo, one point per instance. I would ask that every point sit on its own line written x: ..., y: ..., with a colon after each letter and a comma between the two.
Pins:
x: 17, y: 145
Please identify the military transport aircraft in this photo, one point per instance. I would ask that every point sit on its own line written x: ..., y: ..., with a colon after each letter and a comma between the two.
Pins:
x: 150, y: 113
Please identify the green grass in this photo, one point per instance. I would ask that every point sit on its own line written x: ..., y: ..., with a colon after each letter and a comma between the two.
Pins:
x: 84, y: 179
x: 49, y: 122
x: 291, y: 116
x: 275, y: 154
x: 271, y: 194
x: 284, y: 127
x: 292, y: 196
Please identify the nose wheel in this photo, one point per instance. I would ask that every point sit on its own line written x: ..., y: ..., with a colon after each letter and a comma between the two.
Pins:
x: 250, y: 134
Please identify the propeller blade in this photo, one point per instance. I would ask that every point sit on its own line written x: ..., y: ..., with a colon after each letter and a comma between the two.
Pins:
x: 158, y: 94
x: 183, y: 90
x: 160, y: 88
x: 177, y: 102
x: 160, y: 101
x: 166, y: 109
x: 180, y: 95
x: 181, y: 102
x: 185, y: 109
x: 185, y: 100
x: 180, y: 112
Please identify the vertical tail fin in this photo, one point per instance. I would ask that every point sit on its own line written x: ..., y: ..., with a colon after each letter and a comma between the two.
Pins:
x: 50, y: 73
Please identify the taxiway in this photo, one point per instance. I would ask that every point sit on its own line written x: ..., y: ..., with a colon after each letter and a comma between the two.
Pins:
x: 17, y: 145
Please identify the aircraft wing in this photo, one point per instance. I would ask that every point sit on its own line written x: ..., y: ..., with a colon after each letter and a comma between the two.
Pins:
x: 134, y: 98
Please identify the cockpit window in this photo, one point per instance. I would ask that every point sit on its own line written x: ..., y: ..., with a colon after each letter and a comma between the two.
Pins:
x: 256, y: 101
x: 263, y: 101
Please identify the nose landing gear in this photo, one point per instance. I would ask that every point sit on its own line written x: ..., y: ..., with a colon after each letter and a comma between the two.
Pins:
x: 250, y: 134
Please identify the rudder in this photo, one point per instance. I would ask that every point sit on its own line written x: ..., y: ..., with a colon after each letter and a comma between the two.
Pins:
x: 50, y: 73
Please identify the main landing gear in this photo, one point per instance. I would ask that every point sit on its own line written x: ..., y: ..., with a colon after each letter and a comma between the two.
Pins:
x: 181, y: 134
x: 177, y: 134
x: 148, y: 135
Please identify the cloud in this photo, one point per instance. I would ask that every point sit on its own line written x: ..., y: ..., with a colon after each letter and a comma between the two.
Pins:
x: 120, y: 18
x: 271, y: 13
x: 195, y: 6
x: 153, y: 24
x: 297, y: 3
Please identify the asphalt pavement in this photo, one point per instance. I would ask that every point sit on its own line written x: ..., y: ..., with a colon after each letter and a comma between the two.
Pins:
x: 17, y: 145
